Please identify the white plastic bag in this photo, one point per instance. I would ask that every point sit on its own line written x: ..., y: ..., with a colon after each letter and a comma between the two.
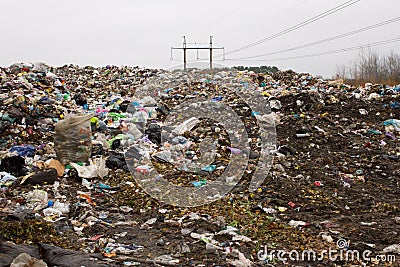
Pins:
x: 97, y: 168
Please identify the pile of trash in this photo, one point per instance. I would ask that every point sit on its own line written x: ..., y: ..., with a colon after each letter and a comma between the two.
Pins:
x: 85, y: 150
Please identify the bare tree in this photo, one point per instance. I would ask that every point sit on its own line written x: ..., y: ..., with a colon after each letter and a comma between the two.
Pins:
x: 371, y: 67
x: 341, y: 72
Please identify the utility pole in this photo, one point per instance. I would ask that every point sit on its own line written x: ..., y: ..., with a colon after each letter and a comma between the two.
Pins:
x: 185, y: 48
x: 184, y: 53
x: 211, y: 48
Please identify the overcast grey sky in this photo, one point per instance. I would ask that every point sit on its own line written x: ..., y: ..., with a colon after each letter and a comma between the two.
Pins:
x: 130, y: 32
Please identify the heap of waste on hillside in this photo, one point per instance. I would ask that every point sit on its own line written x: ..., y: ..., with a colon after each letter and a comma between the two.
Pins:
x: 63, y: 132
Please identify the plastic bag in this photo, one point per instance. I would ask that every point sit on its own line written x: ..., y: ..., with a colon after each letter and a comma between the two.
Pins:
x: 37, y: 199
x: 63, y: 207
x: 37, y: 196
x: 186, y: 126
x: 392, y: 125
x: 72, y: 140
x: 10, y: 251
x: 51, y: 212
x: 97, y: 168
x: 25, y: 260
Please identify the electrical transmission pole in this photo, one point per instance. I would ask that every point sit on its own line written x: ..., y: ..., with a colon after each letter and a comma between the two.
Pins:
x: 185, y: 48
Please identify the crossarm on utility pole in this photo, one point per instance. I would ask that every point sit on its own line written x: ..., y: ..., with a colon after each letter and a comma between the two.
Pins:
x: 185, y: 48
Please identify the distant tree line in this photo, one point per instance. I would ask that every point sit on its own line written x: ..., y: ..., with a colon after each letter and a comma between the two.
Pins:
x: 261, y: 69
x: 371, y: 67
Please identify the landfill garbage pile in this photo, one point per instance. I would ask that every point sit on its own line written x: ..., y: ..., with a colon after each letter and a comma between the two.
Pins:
x: 73, y: 141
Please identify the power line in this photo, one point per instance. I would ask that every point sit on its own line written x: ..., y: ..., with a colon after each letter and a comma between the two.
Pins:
x: 297, y: 26
x: 256, y: 20
x: 327, y: 52
x: 326, y: 40
x: 300, y: 25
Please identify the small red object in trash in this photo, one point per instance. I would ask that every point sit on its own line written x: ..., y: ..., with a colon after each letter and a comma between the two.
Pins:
x: 96, y: 237
x: 143, y: 169
x: 88, y: 199
x: 368, y: 144
x: 291, y: 204
x: 317, y: 183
